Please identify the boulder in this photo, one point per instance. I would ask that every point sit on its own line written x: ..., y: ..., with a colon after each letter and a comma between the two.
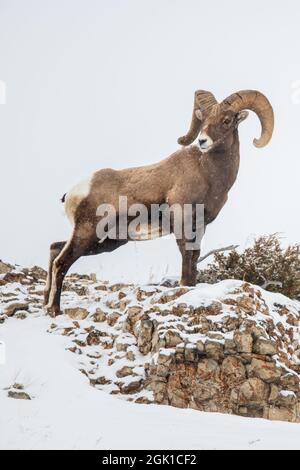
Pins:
x: 14, y: 307
x: 233, y: 370
x: 266, y: 371
x: 265, y: 347
x: 124, y: 372
x: 243, y: 342
x: 5, y: 267
x: 252, y: 392
x: 77, y: 313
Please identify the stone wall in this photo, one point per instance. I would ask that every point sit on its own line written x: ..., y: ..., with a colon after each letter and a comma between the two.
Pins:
x: 227, y: 348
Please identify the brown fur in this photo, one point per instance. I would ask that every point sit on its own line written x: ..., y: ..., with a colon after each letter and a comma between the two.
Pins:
x: 186, y: 177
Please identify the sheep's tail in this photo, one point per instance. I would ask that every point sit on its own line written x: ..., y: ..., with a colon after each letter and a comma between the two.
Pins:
x: 63, y: 198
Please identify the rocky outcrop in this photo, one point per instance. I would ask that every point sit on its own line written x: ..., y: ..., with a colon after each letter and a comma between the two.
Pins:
x: 228, y: 348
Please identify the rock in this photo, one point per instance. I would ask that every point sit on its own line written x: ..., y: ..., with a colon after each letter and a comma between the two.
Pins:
x: 124, y: 372
x: 100, y: 381
x: 266, y: 371
x: 251, y: 327
x: 204, y: 391
x: 134, y: 314
x: 117, y: 287
x: 38, y: 273
x: 246, y: 303
x: 274, y: 393
x: 18, y: 393
x: 178, y: 399
x: 18, y: 276
x: 122, y: 347
x: 101, y: 287
x: 252, y: 392
x: 121, y: 295
x: 112, y: 318
x: 265, y: 347
x: 281, y: 414
x: 162, y: 370
x: 93, y: 338
x: 207, y: 369
x: 231, y: 355
x: 164, y: 362
x: 233, y: 370
x: 145, y: 336
x: 178, y: 310
x: 121, y: 305
x: 154, y: 382
x: 165, y: 357
x: 172, y: 295
x: 172, y: 339
x: 158, y: 341
x: 230, y: 346
x: 200, y: 347
x: 12, y: 308
x: 215, y: 308
x: 286, y: 398
x: 290, y: 382
x: 214, y: 349
x: 243, y: 342
x: 77, y: 288
x: 21, y: 315
x: 132, y: 387
x: 169, y: 282
x: 191, y: 353
x: 130, y: 356
x: 143, y: 401
x: 76, y: 313
x: 5, y: 267
x: 99, y: 316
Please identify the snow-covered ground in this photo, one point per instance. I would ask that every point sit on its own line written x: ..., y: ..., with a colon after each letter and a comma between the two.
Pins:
x: 67, y: 413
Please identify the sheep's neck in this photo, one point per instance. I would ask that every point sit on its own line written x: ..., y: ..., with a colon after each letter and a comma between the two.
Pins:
x: 222, y: 164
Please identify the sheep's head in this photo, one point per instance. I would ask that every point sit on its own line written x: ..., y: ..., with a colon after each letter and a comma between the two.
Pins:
x: 216, y: 122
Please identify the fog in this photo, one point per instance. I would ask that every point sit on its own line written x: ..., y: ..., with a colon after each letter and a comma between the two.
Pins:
x: 93, y: 84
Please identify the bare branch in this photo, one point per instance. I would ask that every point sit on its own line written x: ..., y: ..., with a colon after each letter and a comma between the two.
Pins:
x: 272, y: 283
x: 218, y: 250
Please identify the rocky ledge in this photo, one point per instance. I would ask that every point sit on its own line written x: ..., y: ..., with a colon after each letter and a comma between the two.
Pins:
x: 229, y: 348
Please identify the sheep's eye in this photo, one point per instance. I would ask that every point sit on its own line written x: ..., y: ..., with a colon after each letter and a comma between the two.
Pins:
x: 227, y: 121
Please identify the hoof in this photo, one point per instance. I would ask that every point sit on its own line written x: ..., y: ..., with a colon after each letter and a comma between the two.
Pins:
x: 52, y: 311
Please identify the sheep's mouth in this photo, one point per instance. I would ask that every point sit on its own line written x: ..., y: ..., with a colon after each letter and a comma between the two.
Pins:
x: 205, y: 148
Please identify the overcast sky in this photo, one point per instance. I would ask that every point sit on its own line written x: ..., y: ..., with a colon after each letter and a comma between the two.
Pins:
x: 94, y: 84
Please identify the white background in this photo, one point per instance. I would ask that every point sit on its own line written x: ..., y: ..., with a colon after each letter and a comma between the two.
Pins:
x: 94, y: 84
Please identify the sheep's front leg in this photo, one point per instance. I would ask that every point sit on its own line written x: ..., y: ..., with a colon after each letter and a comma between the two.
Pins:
x: 55, y: 249
x: 189, y: 264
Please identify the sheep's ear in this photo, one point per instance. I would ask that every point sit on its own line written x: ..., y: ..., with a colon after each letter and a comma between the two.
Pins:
x: 242, y: 115
x: 199, y: 114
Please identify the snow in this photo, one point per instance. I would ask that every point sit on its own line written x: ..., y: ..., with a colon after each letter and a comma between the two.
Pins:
x: 287, y: 393
x: 67, y: 413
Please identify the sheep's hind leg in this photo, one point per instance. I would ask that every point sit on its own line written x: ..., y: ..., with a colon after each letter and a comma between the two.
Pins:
x: 71, y: 252
x: 55, y: 250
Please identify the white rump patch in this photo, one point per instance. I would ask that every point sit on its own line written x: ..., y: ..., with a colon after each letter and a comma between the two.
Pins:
x: 75, y: 196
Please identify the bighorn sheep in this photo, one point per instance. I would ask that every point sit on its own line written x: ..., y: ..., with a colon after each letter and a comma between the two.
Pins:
x: 201, y: 174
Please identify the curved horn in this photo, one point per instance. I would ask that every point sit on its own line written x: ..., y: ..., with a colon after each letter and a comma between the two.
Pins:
x: 204, y: 100
x: 257, y: 102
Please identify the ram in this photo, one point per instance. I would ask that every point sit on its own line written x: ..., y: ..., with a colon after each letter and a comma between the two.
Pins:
x: 195, y: 174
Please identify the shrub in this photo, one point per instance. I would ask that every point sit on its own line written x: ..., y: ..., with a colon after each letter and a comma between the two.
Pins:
x: 266, y: 264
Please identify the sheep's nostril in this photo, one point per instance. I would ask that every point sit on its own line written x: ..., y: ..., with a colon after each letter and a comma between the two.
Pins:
x: 202, y: 142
